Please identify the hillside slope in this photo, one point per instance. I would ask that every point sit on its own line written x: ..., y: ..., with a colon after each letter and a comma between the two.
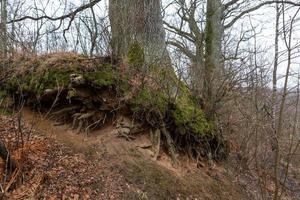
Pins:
x: 57, y: 163
x: 83, y: 128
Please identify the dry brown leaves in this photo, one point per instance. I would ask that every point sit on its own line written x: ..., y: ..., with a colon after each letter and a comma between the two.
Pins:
x: 48, y: 170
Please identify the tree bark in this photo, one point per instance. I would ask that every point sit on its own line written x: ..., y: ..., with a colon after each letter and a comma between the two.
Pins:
x: 213, y: 56
x: 274, y: 99
x: 3, y: 29
x: 137, y: 21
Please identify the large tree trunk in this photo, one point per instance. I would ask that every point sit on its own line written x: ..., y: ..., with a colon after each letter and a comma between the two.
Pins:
x: 3, y: 29
x: 213, y: 56
x: 138, y: 21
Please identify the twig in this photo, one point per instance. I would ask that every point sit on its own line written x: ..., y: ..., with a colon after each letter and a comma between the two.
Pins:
x: 13, y: 178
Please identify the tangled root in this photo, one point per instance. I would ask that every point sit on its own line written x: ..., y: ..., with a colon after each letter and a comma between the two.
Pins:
x: 88, y: 121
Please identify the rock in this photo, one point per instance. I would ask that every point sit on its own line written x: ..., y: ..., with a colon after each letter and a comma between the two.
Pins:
x: 124, y: 130
x: 77, y: 79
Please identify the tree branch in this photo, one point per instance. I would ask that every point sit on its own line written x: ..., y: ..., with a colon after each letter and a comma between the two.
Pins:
x: 70, y: 15
x: 180, y: 32
x: 182, y: 48
x: 230, y: 3
x: 257, y: 7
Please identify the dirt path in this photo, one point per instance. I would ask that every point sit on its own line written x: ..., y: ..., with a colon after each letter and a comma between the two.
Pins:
x: 61, y: 133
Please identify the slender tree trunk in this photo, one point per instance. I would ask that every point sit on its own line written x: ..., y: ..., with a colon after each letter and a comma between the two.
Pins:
x: 3, y: 29
x: 137, y: 21
x: 213, y: 56
x: 274, y: 100
x: 288, y: 34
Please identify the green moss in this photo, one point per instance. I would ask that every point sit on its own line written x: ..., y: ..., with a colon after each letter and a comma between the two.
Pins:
x: 123, y: 85
x: 188, y: 117
x: 136, y: 55
x: 102, y: 78
x: 54, y: 77
x: 36, y: 82
x: 12, y: 84
x: 185, y: 114
x: 143, y: 96
x: 149, y: 100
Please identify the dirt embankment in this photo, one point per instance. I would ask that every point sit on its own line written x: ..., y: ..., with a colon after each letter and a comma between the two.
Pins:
x: 88, y: 93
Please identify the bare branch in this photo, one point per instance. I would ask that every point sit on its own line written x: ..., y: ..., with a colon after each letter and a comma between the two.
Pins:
x: 70, y: 15
x: 243, y: 13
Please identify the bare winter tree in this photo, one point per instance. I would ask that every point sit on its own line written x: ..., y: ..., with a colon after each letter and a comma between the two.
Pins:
x: 288, y: 31
x: 200, y: 39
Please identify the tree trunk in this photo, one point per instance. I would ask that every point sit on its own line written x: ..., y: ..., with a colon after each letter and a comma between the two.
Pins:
x: 274, y: 100
x: 213, y: 56
x: 3, y: 29
x: 138, y: 21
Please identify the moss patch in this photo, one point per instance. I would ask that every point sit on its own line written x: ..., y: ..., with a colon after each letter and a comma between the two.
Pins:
x: 147, y: 100
x: 189, y: 118
x: 37, y: 82
x: 182, y: 111
x: 102, y: 78
x: 135, y: 56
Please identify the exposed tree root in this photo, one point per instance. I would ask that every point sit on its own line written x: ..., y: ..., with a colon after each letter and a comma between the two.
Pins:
x: 75, y: 120
x: 94, y: 125
x: 156, y: 138
x: 170, y: 144
x: 86, y: 116
x: 65, y: 111
x: 89, y: 121
x: 50, y: 93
